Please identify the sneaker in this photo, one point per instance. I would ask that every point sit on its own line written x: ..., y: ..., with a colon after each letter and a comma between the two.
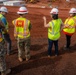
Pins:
x: 49, y: 56
x: 20, y: 59
x: 65, y: 48
x: 56, y: 55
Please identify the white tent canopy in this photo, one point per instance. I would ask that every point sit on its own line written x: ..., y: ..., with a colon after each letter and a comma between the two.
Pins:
x: 3, y: 0
x: 14, y: 3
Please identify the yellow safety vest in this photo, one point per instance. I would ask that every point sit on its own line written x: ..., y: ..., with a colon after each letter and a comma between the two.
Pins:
x: 74, y: 20
x: 21, y: 28
x: 6, y: 26
x: 54, y: 29
x: 1, y: 37
x: 70, y: 22
x: 75, y: 17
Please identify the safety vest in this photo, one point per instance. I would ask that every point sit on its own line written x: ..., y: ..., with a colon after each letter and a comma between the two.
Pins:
x: 21, y: 28
x: 74, y: 20
x: 54, y: 29
x: 70, y: 22
x: 1, y: 36
x: 6, y: 26
x: 75, y: 17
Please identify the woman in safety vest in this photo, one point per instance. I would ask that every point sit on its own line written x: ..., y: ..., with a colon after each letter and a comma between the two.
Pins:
x: 69, y: 29
x: 54, y: 28
x: 22, y: 28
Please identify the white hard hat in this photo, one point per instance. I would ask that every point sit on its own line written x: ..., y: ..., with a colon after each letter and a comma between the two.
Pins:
x: 54, y: 11
x: 72, y: 10
x: 22, y: 10
x: 3, y: 9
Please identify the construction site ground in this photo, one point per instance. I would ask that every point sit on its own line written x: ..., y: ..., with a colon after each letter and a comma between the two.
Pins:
x: 40, y: 64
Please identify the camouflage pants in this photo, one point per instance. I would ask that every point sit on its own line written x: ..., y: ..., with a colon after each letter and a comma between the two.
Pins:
x: 2, y: 57
x: 23, y: 47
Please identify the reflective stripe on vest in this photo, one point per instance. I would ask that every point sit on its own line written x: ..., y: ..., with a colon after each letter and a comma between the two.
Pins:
x: 21, y: 28
x: 54, y: 32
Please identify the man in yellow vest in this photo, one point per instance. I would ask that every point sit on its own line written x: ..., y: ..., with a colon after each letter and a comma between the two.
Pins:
x: 70, y: 27
x: 6, y: 36
x: 54, y: 28
x: 3, y: 68
x: 22, y: 28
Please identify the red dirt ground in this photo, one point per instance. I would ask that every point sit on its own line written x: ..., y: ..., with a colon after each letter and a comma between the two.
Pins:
x: 40, y: 64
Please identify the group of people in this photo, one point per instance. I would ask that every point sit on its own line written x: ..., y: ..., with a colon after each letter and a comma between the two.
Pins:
x: 56, y: 25
x: 22, y: 27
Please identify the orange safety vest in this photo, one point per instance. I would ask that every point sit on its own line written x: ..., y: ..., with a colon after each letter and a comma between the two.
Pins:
x: 21, y: 28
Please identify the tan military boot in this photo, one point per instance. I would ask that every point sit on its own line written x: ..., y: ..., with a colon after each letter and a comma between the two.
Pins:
x: 7, y: 71
x: 27, y: 59
x: 3, y: 74
x: 20, y: 59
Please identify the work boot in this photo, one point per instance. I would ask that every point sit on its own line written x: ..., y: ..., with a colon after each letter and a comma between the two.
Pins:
x: 27, y: 59
x: 2, y: 73
x: 7, y: 71
x: 20, y: 59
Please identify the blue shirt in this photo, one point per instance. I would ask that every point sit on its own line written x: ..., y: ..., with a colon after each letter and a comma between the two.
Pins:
x: 3, y: 19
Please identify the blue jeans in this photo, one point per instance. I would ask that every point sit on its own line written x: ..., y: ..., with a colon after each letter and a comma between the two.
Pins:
x: 50, y: 46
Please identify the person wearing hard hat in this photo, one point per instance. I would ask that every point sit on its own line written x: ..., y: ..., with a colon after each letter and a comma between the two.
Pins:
x: 6, y: 36
x: 22, y: 33
x: 3, y: 68
x: 70, y: 27
x: 54, y: 28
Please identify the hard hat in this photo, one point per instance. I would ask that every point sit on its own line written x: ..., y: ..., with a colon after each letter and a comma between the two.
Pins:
x: 72, y: 10
x: 22, y: 10
x: 3, y: 9
x: 54, y: 11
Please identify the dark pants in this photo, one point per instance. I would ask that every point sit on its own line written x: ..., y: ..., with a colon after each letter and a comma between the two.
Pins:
x: 50, y: 46
x: 68, y: 41
x: 8, y: 40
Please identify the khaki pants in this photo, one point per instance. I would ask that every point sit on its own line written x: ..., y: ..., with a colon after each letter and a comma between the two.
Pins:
x: 2, y: 57
x: 23, y: 48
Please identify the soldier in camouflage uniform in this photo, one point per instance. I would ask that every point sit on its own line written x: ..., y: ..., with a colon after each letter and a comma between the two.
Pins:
x: 22, y: 33
x: 3, y: 69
